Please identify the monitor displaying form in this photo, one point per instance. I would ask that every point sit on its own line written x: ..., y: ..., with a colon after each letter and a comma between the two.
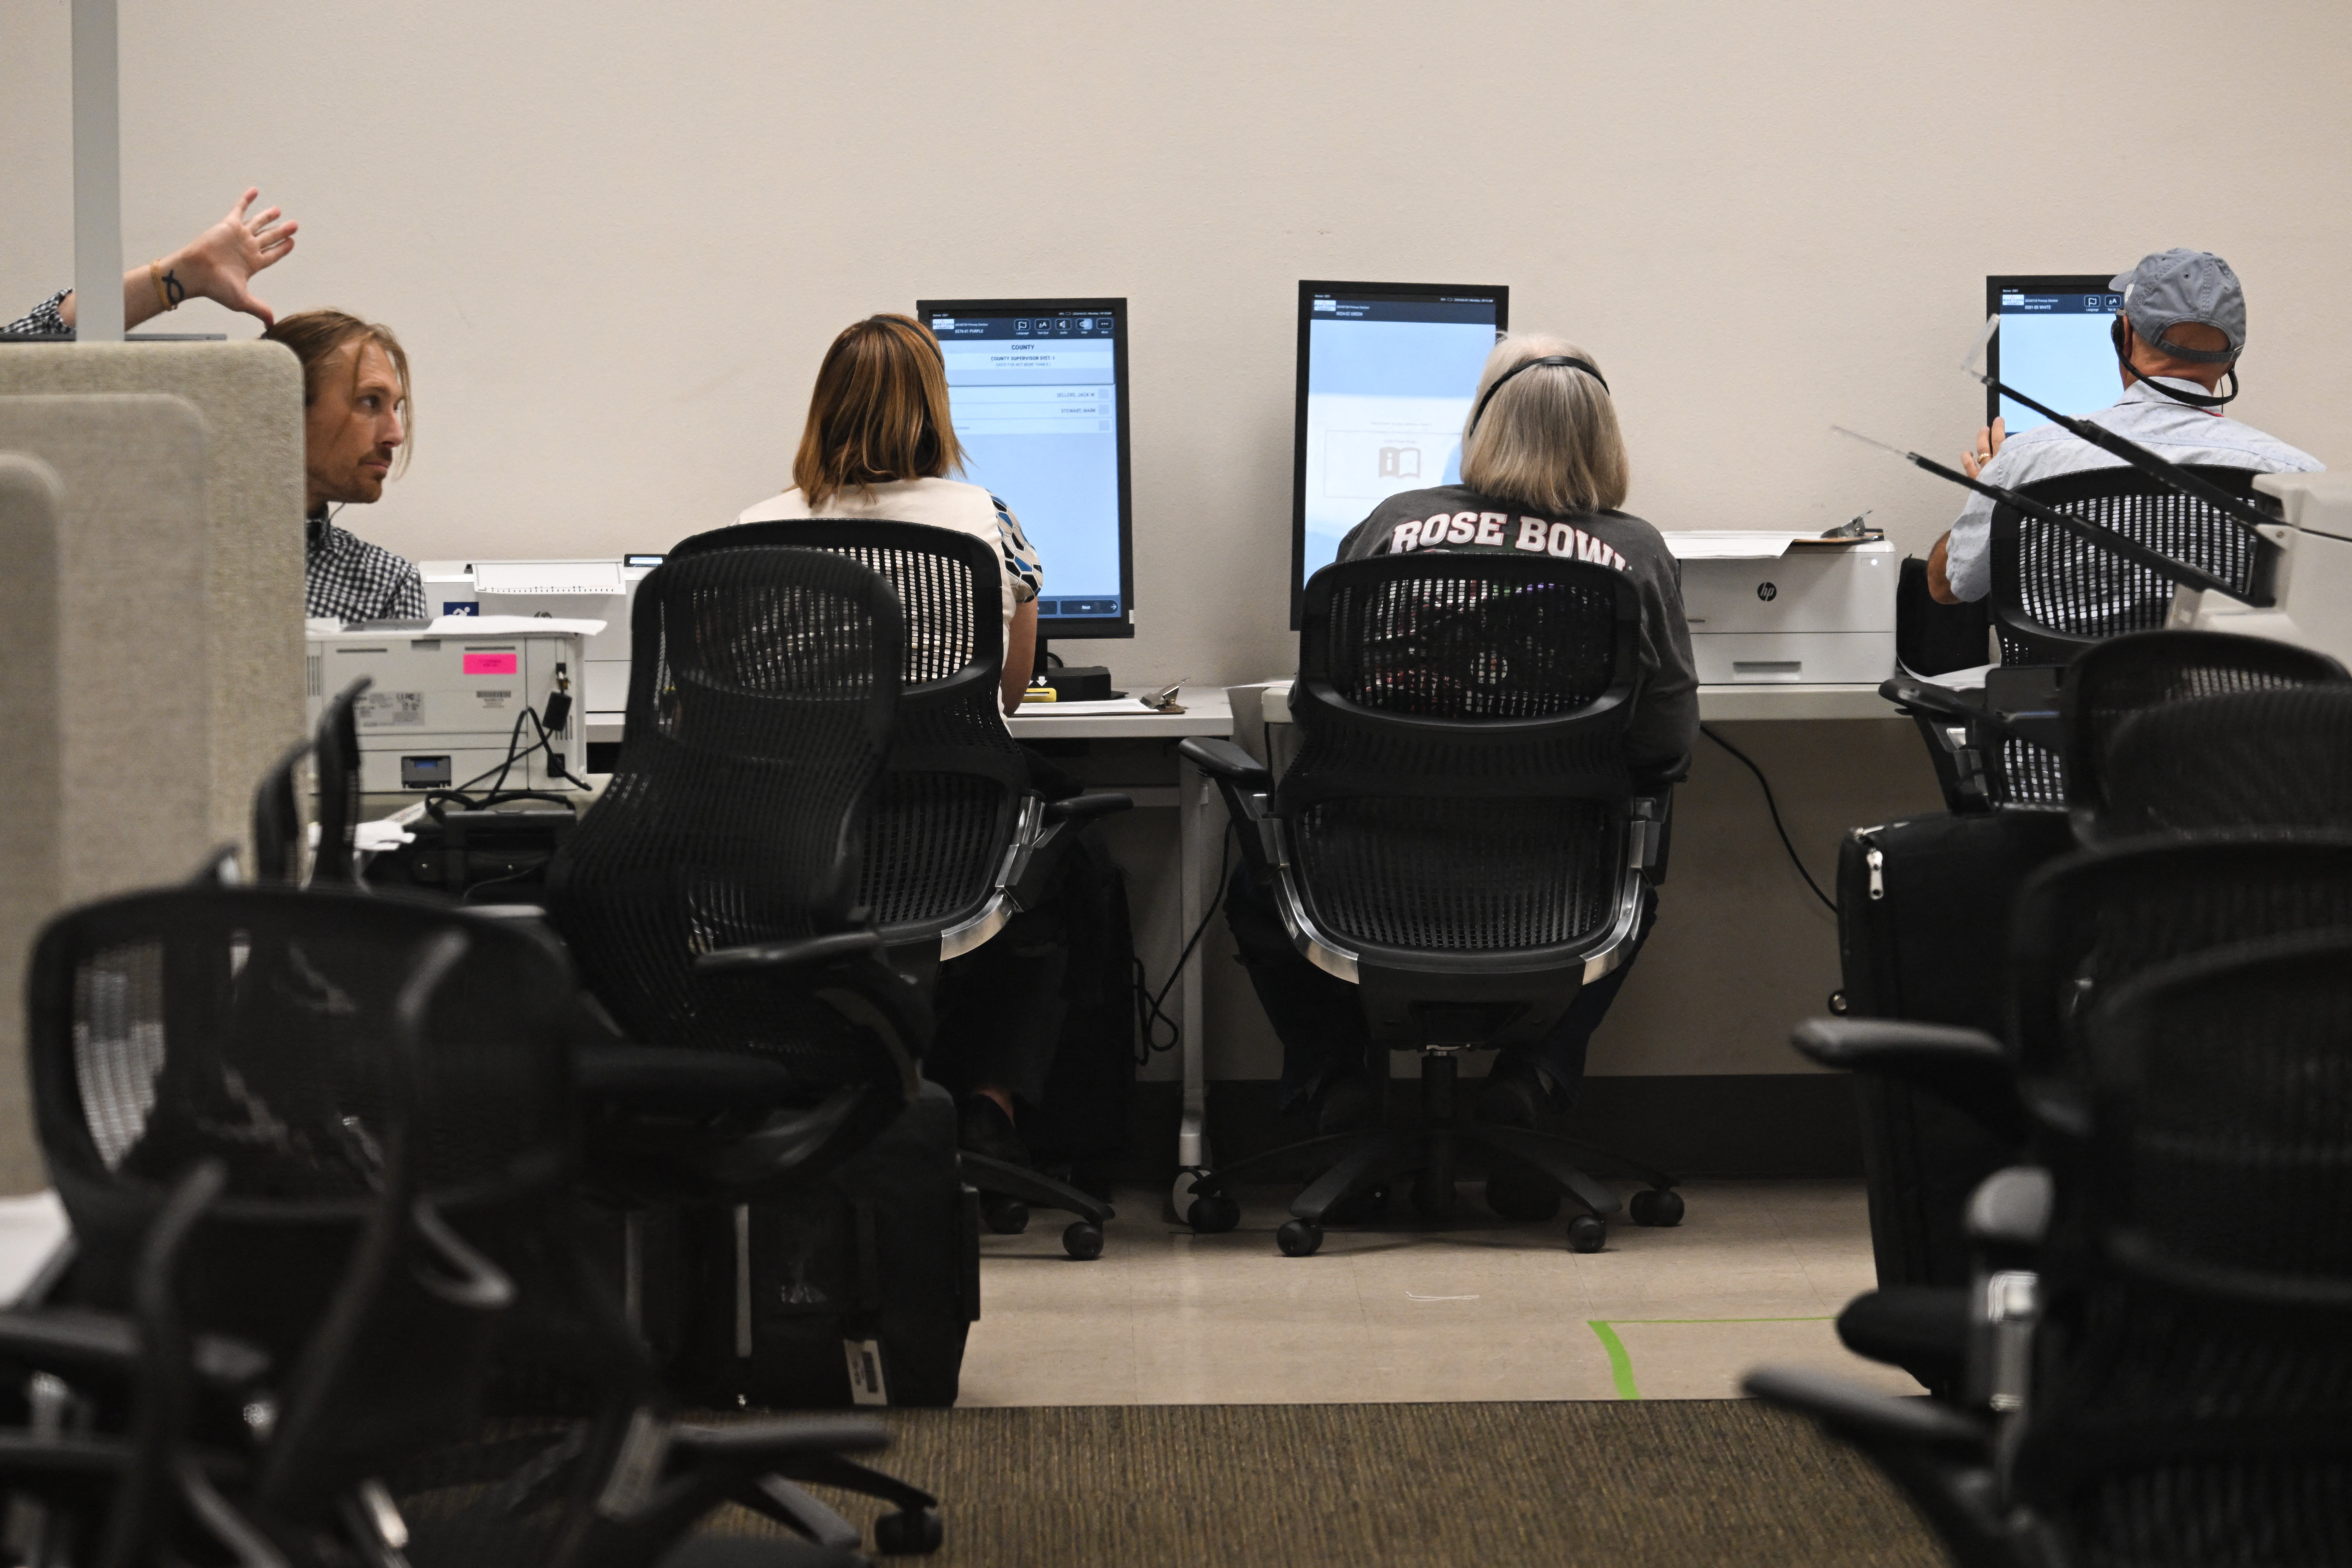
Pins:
x: 1386, y: 371
x: 1039, y: 392
x: 2053, y: 346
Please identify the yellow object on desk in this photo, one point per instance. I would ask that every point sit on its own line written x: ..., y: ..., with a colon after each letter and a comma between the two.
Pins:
x: 1040, y: 694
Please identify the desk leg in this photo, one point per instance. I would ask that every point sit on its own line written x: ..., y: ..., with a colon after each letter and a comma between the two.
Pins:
x: 1197, y: 806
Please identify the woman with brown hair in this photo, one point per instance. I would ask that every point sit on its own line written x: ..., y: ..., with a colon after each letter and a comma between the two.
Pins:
x: 879, y: 445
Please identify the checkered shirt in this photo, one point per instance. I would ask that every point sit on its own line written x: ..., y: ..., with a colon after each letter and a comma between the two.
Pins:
x: 43, y: 318
x: 347, y: 578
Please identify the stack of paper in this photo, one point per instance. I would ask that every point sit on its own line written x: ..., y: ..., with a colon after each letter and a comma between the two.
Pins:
x: 1111, y: 705
x: 1729, y: 543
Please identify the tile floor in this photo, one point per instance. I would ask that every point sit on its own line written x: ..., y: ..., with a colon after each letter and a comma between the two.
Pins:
x: 1481, y: 1310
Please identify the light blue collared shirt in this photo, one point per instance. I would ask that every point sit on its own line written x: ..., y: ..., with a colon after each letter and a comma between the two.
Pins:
x: 2170, y: 429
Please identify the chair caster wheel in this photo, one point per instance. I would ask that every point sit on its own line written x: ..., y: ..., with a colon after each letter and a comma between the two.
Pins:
x: 1586, y: 1234
x: 1656, y: 1205
x: 1212, y: 1213
x: 908, y: 1534
x: 1082, y: 1239
x: 1005, y: 1216
x: 1299, y: 1238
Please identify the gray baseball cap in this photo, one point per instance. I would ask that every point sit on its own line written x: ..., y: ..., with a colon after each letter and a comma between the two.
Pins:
x: 2175, y: 286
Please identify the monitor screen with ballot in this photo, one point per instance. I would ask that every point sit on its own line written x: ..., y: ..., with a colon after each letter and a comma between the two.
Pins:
x: 1386, y: 371
x: 2053, y: 346
x: 1038, y: 389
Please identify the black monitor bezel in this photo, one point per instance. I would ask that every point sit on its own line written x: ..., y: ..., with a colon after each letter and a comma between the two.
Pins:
x: 1308, y: 289
x: 1999, y: 283
x: 1060, y: 627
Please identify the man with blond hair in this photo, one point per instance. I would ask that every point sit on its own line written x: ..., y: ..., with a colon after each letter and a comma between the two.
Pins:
x: 354, y: 406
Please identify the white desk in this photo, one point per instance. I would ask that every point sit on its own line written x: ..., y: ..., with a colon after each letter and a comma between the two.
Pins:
x: 1200, y: 829
x: 1762, y: 700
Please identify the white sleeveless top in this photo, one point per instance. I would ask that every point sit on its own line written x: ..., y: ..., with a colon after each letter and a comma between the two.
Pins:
x: 939, y: 504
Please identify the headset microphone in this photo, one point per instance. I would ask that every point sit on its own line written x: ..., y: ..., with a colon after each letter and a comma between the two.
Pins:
x: 2193, y: 399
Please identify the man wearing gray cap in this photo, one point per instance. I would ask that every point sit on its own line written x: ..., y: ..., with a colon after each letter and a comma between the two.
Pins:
x: 2181, y: 330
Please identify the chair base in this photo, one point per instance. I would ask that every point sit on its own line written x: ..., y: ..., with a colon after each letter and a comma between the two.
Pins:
x: 1364, y: 1163
x: 1014, y: 1189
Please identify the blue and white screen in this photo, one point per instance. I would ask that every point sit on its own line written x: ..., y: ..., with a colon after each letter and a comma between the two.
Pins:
x: 2054, y: 348
x: 1389, y: 384
x: 1036, y: 409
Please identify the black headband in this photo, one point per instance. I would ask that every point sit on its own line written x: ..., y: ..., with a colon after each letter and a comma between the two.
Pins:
x: 1529, y: 364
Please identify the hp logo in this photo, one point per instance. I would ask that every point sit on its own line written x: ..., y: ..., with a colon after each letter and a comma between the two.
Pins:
x: 1766, y: 592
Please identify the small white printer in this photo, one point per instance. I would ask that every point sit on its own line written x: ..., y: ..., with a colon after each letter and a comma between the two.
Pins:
x: 1766, y: 608
x: 599, y: 588
x: 446, y: 706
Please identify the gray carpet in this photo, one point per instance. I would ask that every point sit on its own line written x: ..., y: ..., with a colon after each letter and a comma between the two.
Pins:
x: 1674, y: 1483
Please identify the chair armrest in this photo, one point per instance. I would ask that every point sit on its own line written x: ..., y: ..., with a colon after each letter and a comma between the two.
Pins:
x: 854, y: 980
x: 1856, y: 1412
x: 1081, y: 807
x: 76, y: 1342
x: 1966, y: 1067
x: 791, y: 953
x: 2035, y: 727
x: 1061, y: 822
x: 2010, y: 1208
x: 1656, y: 811
x: 1927, y: 697
x: 1222, y: 759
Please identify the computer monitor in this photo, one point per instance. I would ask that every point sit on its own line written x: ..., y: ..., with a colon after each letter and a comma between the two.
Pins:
x: 1038, y: 389
x: 2053, y: 346
x: 1386, y: 371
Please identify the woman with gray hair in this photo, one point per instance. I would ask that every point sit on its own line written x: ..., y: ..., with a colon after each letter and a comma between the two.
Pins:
x: 1543, y: 472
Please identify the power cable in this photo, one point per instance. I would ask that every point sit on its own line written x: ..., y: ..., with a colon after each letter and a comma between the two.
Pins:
x: 1149, y: 1012
x: 1774, y: 807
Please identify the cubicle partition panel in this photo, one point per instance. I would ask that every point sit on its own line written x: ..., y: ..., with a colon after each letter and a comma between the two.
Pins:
x: 245, y: 587
x: 128, y: 760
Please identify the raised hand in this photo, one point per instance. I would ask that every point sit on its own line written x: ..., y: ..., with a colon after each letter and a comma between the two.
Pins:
x: 219, y: 263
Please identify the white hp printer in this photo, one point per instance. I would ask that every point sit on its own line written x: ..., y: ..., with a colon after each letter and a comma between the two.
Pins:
x: 1783, y: 607
x: 447, y: 701
x: 601, y: 588
x: 2312, y: 579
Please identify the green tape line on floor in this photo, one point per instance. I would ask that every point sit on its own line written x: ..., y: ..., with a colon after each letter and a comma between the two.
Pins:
x: 1621, y: 1364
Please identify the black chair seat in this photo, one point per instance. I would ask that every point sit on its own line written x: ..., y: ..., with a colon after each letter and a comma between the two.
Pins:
x: 676, y: 1078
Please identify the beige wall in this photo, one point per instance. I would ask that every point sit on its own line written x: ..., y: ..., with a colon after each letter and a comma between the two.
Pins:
x: 617, y: 237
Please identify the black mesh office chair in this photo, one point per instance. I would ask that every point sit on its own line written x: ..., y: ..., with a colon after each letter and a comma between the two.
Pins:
x: 282, y: 1041
x: 2084, y: 925
x: 712, y: 899
x: 960, y: 840
x: 2262, y: 738
x: 2176, y: 1375
x: 385, y: 1090
x: 98, y: 1459
x: 2054, y: 594
x: 1459, y: 838
x: 714, y: 889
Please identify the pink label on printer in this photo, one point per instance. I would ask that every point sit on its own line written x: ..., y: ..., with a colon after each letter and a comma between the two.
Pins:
x: 491, y: 664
